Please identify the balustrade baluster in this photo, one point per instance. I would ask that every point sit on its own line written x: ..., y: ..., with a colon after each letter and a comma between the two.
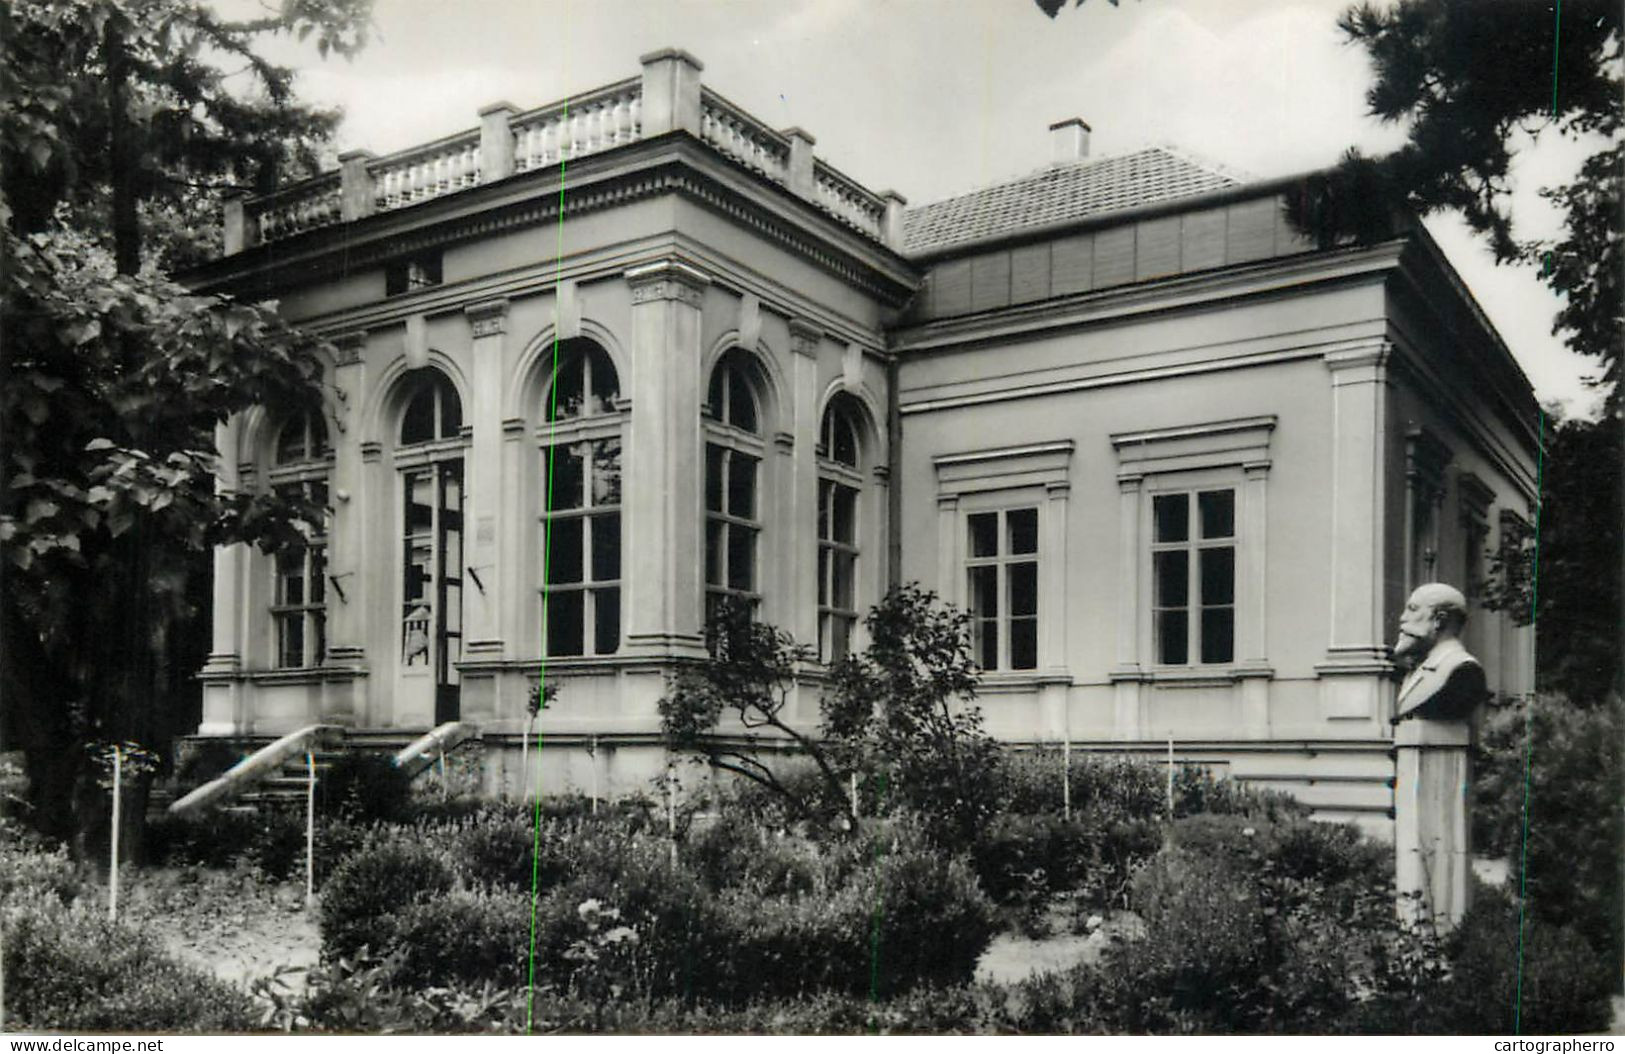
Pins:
x: 635, y: 116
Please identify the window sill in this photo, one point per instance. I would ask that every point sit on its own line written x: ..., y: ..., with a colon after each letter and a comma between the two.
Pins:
x: 1196, y: 676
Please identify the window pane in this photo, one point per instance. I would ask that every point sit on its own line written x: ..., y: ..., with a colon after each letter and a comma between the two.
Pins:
x: 742, y: 486
x: 984, y: 534
x: 564, y: 400
x: 844, y: 440
x: 1218, y: 633
x: 293, y: 641
x: 1217, y: 509
x: 1023, y: 643
x: 451, y: 409
x: 713, y: 477
x: 713, y: 552
x: 984, y: 592
x: 1171, y: 513
x: 419, y: 502
x: 841, y: 640
x: 290, y: 442
x: 845, y: 593
x: 563, y: 613
x: 1172, y: 587
x: 418, y: 570
x: 417, y: 426
x: 714, y: 394
x: 1023, y: 525
x: 846, y: 514
x: 1172, y: 637
x: 741, y: 405
x: 606, y: 472
x: 1023, y: 589
x: 605, y: 385
x: 564, y: 489
x: 741, y: 558
x: 826, y: 492
x: 564, y: 559
x: 318, y: 626
x: 290, y: 577
x: 318, y: 576
x: 1218, y: 575
x: 823, y: 576
x: 985, y: 643
x: 606, y: 547
x: 606, y: 620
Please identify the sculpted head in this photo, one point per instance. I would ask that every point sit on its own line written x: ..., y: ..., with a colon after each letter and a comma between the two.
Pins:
x: 1434, y: 612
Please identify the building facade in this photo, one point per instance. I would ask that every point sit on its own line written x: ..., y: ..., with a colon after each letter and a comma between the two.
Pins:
x: 1180, y: 465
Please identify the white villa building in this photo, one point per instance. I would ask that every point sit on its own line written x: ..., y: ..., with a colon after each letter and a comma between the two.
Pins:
x: 1181, y: 465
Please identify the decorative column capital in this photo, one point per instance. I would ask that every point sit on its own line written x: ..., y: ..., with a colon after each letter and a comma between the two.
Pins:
x: 1363, y: 362
x: 349, y: 347
x: 667, y: 280
x: 804, y: 337
x: 1129, y: 482
x: 488, y: 319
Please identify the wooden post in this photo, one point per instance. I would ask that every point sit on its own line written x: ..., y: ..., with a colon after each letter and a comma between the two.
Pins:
x: 854, y: 795
x: 1170, y: 777
x: 1066, y: 776
x: 310, y: 828
x: 118, y: 794
x: 593, y: 753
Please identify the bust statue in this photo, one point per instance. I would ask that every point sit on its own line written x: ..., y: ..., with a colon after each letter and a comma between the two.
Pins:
x: 1445, y: 682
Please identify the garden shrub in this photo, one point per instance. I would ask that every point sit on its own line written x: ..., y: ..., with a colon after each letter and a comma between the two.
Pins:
x: 29, y: 872
x: 362, y: 786
x: 271, y: 839
x: 1567, y: 762
x: 463, y: 935
x: 368, y: 888
x: 1197, y: 790
x: 70, y: 968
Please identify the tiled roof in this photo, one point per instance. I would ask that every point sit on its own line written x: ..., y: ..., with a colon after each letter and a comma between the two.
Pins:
x: 1063, y: 192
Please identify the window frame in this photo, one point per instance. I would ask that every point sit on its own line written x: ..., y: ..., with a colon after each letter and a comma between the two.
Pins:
x: 592, y: 425
x: 735, y: 442
x: 1194, y: 544
x: 312, y: 468
x: 1003, y: 561
x: 837, y: 623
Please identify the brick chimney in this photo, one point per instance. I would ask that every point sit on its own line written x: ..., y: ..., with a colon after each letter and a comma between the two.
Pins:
x: 1069, y: 141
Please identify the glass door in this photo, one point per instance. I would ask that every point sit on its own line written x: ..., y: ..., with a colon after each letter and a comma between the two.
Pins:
x: 432, y: 585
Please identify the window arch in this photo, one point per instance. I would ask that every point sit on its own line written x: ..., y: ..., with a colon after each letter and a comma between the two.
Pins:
x: 840, y: 486
x: 580, y: 448
x: 433, y: 409
x: 301, y: 466
x: 733, y: 457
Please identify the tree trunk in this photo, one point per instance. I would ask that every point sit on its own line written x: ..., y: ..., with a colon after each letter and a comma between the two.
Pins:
x: 121, y: 155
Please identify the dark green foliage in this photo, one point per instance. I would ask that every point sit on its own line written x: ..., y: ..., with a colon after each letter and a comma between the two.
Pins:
x: 69, y: 968
x: 1470, y: 983
x: 363, y: 787
x: 463, y: 935
x: 1566, y: 766
x: 1197, y: 790
x: 361, y: 899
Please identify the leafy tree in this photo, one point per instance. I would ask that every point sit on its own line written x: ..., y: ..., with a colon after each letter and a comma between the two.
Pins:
x: 119, y: 117
x: 751, y: 674
x: 898, y: 716
x: 1465, y: 78
x: 905, y: 708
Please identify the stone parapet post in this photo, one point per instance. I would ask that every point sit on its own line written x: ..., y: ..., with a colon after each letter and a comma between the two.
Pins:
x: 496, y: 141
x: 671, y: 92
x: 1431, y: 820
x: 235, y: 221
x: 355, y: 185
x: 891, y: 222
x: 801, y: 163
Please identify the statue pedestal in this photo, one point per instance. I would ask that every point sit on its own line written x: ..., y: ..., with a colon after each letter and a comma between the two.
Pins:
x: 1431, y: 825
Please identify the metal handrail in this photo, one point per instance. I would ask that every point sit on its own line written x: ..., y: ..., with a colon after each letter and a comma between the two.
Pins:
x: 432, y: 745
x: 257, y: 767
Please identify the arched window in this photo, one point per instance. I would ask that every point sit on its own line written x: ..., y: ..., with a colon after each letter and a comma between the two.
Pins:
x: 301, y: 466
x: 580, y: 442
x: 840, y: 483
x: 433, y: 410
x: 733, y: 456
x: 430, y: 462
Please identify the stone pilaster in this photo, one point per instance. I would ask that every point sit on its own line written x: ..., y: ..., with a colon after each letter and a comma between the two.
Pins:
x: 1128, y: 673
x: 663, y: 563
x: 221, y: 690
x: 343, y: 701
x: 1353, y: 676
x: 802, y: 578
x: 486, y: 577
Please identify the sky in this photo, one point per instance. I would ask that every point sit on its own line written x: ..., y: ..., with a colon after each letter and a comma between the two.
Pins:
x: 936, y: 97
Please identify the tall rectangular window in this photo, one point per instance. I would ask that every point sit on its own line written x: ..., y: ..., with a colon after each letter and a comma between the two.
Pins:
x: 582, y: 547
x: 732, y: 525
x: 299, y: 601
x: 837, y: 568
x: 1193, y: 566
x: 1002, y: 583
